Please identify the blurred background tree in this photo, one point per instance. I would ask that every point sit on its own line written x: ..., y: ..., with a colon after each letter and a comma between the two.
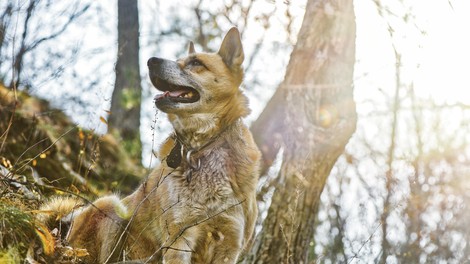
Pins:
x: 124, y: 114
x: 27, y: 40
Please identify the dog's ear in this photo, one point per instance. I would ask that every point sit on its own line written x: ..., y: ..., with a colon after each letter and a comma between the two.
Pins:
x: 191, y: 49
x: 231, y: 49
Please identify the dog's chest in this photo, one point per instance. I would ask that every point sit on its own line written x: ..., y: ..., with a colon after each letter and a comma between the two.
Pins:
x: 209, y: 184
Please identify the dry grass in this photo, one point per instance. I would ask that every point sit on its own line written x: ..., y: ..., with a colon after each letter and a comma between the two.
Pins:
x: 43, y: 153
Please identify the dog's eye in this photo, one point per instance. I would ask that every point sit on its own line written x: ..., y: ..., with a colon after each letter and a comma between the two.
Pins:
x: 196, y: 63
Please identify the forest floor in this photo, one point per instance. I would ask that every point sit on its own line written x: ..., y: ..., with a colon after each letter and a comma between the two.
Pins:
x: 43, y: 154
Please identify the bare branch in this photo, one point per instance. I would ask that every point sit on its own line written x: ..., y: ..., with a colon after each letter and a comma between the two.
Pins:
x: 64, y: 27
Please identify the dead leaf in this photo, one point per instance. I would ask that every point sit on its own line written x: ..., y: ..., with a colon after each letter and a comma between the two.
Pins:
x: 102, y: 119
x: 74, y: 189
x: 46, y: 238
x: 74, y: 252
x: 81, y: 252
x: 81, y: 135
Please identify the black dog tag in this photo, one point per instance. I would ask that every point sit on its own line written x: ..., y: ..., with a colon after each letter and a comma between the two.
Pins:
x: 173, y: 160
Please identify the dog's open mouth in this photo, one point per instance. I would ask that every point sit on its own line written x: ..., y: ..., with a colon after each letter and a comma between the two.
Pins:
x: 175, y: 93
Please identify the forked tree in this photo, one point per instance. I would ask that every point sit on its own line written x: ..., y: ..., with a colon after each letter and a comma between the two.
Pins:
x: 311, y: 117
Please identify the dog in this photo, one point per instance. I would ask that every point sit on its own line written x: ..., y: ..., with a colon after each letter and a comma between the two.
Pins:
x: 199, y: 204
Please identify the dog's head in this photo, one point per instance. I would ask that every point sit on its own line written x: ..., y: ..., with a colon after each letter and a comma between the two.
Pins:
x: 201, y: 83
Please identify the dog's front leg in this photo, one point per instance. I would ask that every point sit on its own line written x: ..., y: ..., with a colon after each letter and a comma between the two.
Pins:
x: 177, y: 255
x: 181, y: 250
x: 227, y: 254
x: 229, y: 247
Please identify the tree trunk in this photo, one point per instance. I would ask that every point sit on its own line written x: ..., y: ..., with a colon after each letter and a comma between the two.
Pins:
x: 311, y: 117
x: 125, y: 102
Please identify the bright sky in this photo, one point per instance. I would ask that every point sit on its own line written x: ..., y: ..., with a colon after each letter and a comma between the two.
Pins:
x: 437, y: 60
x: 434, y: 47
x: 446, y: 52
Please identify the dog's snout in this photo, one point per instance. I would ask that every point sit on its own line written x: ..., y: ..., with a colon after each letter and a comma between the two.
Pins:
x: 153, y: 61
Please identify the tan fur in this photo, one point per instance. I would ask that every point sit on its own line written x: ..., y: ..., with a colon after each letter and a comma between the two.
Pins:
x: 209, y: 218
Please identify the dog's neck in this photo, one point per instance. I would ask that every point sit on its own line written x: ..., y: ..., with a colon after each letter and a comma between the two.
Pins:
x: 198, y: 130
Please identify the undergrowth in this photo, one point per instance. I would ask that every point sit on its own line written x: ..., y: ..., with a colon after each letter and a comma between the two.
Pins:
x: 44, y: 154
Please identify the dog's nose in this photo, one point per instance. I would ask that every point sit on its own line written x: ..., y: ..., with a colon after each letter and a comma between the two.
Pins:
x: 153, y: 61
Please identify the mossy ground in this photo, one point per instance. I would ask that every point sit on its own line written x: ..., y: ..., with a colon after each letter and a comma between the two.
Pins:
x: 43, y: 153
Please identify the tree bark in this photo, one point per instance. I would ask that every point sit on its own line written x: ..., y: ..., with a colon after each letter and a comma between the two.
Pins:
x: 126, y: 98
x: 311, y: 117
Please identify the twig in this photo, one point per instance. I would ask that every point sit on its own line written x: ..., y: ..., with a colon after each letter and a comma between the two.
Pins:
x: 126, y: 228
x: 5, y: 134
x: 47, y: 148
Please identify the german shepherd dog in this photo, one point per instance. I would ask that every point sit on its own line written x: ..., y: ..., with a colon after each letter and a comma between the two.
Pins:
x: 199, y: 204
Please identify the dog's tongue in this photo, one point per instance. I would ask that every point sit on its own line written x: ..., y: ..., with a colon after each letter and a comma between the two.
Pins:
x: 176, y: 93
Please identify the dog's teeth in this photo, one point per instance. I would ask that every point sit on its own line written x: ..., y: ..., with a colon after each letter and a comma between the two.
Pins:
x: 186, y: 95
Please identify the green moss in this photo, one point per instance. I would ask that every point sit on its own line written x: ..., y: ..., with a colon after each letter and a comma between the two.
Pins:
x: 45, y: 141
x: 130, y: 98
x: 133, y: 147
x: 16, y: 232
x: 10, y: 256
